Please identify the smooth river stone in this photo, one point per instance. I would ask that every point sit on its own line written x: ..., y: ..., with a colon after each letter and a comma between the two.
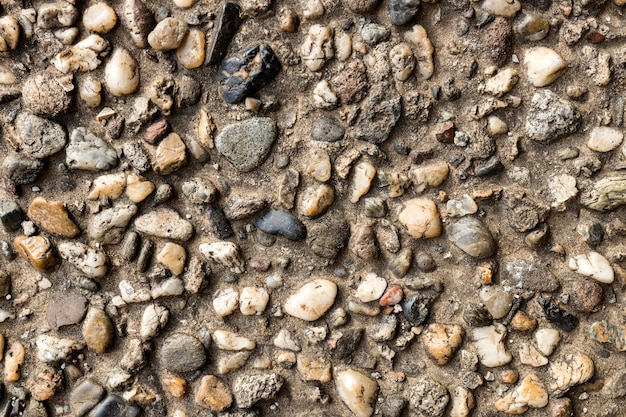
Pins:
x: 421, y: 218
x: 165, y: 223
x: 278, y: 222
x: 312, y: 300
x: 357, y: 391
x: 246, y: 144
x: 472, y: 237
x: 182, y: 353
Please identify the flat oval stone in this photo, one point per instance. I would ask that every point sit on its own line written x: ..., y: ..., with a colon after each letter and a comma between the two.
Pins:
x: 327, y: 129
x: 472, y: 237
x: 246, y: 144
x: 312, y: 300
x: 278, y: 222
x: 165, y: 223
x: 402, y: 11
x: 182, y: 353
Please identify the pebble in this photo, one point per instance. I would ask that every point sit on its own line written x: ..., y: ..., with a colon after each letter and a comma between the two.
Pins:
x: 279, y: 222
x: 89, y: 261
x: 327, y: 129
x: 98, y: 331
x: 218, y: 223
x: 88, y: 152
x: 430, y: 175
x: 315, y: 201
x: 227, y: 340
x: 428, y: 397
x: 284, y: 340
x: 497, y: 300
x: 11, y: 215
x: 165, y: 223
x: 175, y: 386
x: 502, y: 82
x: 374, y: 33
x: 37, y: 250
x: 51, y: 349
x: 312, y: 300
x: 362, y: 6
x: 250, y: 389
x: 110, y: 186
x: 441, y: 341
x: 43, y: 95
x: 314, y: 369
x: 402, y: 60
x: 225, y: 301
x: 547, y: 340
x: 114, y: 405
x: 57, y: 14
x: 99, y: 18
x: 605, y: 194
x: 529, y: 355
x: 375, y: 207
x: 604, y: 139
x: 10, y: 29
x: 533, y: 28
x: 415, y: 308
x: 39, y: 137
x: 323, y: 98
x: 489, y: 343
x: 523, y: 322
x: 351, y: 84
x: 593, y: 265
x: 604, y: 332
x: 498, y: 40
x: 420, y: 217
x: 169, y: 288
x: 543, y: 66
x: 21, y: 169
x: 109, y: 225
x: 473, y: 237
x: 168, y: 34
x: 224, y: 253
x: 121, y: 73
x: 13, y: 362
x: 246, y: 144
x: 550, y: 117
x: 325, y: 244
x: 392, y: 296
x: 530, y: 393
x: 138, y: 188
x: 364, y: 243
x: 153, y: 321
x: 83, y: 56
x: 364, y: 173
x: 402, y: 11
x: 563, y: 189
x: 569, y: 370
x: 319, y: 165
x: 84, y: 396
x: 253, y: 300
x: 357, y: 391
x: 371, y: 288
x: 170, y: 155
x: 173, y: 256
x: 288, y: 19
x: 52, y: 216
x: 506, y: 8
x: 181, y: 353
x: 244, y: 74
x: 424, y: 51
x: 379, y: 113
x: 556, y: 315
x: 213, y: 394
x: 191, y: 52
x: 317, y: 47
x: 65, y: 309
x: 139, y: 21
x: 585, y: 295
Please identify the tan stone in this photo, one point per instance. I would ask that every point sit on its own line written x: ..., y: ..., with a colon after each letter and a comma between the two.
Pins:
x: 213, y: 394
x: 442, y: 340
x: 175, y: 386
x: 357, y: 391
x: 173, y: 256
x: 98, y: 330
x: 52, y: 216
x: 319, y: 165
x: 314, y: 369
x: 316, y: 200
x: 110, y: 186
x: 37, y: 250
x: 522, y: 322
x: 170, y: 155
x: 364, y: 173
x: 421, y: 218
x: 530, y: 393
x: 46, y: 384
x: 191, y: 52
x: 13, y: 361
x: 138, y: 188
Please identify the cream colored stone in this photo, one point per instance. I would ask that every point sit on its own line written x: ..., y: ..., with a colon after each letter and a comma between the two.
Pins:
x: 593, y: 265
x: 312, y: 300
x: 421, y: 218
x: 168, y: 34
x: 424, y: 51
x: 227, y: 340
x: 9, y: 33
x: 110, y: 186
x: 230, y: 363
x: 543, y: 66
x: 317, y: 47
x: 604, y: 139
x: 224, y: 253
x: 570, y: 370
x: 314, y: 369
x: 284, y: 340
x: 253, y: 300
x: 99, y: 17
x: 357, y: 391
x: 402, y: 61
x: 319, y: 165
x: 206, y: 129
x: 13, y: 361
x: 7, y: 76
x: 226, y: 301
x: 430, y: 175
x: 121, y: 73
x: 324, y: 97
x: 441, y: 341
x: 343, y: 45
x: 563, y: 189
x: 506, y: 8
x: 502, y: 82
x: 184, y: 4
x: 91, y: 262
x: 213, y: 394
x: 547, y: 340
x: 496, y: 126
x: 489, y: 343
x: 316, y: 200
x: 138, y: 188
x: 529, y: 355
x: 170, y: 155
x: 461, y: 402
x: 530, y: 393
x: 82, y: 57
x: 364, y: 173
x: 371, y: 288
x: 191, y: 52
x: 90, y: 91
x: 173, y: 256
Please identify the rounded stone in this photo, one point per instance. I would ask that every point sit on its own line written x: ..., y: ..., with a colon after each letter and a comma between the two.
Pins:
x: 43, y: 95
x: 585, y: 295
x: 246, y: 144
x: 327, y: 129
x: 100, y: 18
x: 472, y: 237
x: 362, y: 6
x: 182, y: 353
x: 121, y: 74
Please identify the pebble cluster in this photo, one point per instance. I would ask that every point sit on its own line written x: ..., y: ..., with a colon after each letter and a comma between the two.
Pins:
x: 312, y: 208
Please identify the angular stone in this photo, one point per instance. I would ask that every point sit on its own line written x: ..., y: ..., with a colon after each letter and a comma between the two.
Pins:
x: 544, y: 65
x: 165, y: 223
x: 52, y: 349
x: 593, y: 265
x: 525, y: 270
x: 170, y: 155
x: 550, y: 117
x: 489, y: 342
x: 314, y: 369
x: 37, y: 250
x: 441, y: 341
x: 53, y: 217
x: 228, y: 23
x: 65, y: 309
x: 278, y: 222
x: 173, y: 256
x: 110, y: 186
x: 11, y: 215
x: 245, y: 73
x: 428, y: 398
x: 89, y: 152
x: 250, y: 389
x: 604, y: 332
x: 473, y: 237
x: 22, y: 169
x: 556, y: 315
x: 329, y: 235
x: 39, y: 137
x: 213, y: 394
x: 379, y: 114
x: 92, y: 262
x: 351, y: 84
x: 246, y: 144
x: 530, y: 393
x: 402, y: 11
x: 109, y: 225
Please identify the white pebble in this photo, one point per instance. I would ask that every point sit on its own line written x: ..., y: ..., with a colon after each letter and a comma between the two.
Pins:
x: 489, y: 343
x: 99, y: 17
x: 593, y: 265
x: 543, y: 66
x: 604, y: 139
x: 371, y: 288
x: 227, y: 340
x: 121, y: 74
x: 253, y: 301
x: 225, y: 301
x: 312, y: 300
x: 357, y: 391
x: 547, y: 340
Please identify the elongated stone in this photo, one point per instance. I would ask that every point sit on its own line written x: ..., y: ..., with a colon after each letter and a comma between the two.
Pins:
x: 357, y: 391
x: 312, y: 300
x: 278, y: 222
x: 165, y: 223
x: 472, y: 237
x: 228, y: 24
x: 606, y: 194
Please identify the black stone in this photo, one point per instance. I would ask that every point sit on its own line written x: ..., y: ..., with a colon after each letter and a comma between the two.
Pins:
x: 227, y: 25
x: 218, y: 223
x: 348, y: 343
x: 278, y: 222
x: 556, y: 315
x: 114, y: 406
x: 245, y: 73
x: 477, y: 315
x: 402, y: 11
x: 415, y: 308
x: 11, y: 215
x: 489, y: 167
x: 327, y: 129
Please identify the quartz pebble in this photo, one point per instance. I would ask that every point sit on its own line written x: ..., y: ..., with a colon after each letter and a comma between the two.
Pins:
x: 164, y: 223
x: 529, y: 355
x: 563, y: 189
x: 489, y: 343
x: 543, y: 66
x: 547, y: 340
x: 191, y: 52
x: 88, y: 152
x: 569, y: 370
x: 357, y: 391
x: 109, y: 225
x: 224, y: 253
x: 226, y: 301
x: 314, y: 369
x: 421, y: 218
x: 604, y: 139
x: 317, y: 47
x: 284, y: 340
x: 430, y: 175
x: 121, y: 73
x: 316, y: 201
x: 99, y: 17
x: 170, y: 155
x: 312, y: 300
x: 89, y: 261
x: 253, y: 300
x: 371, y: 288
x: 51, y: 349
x: 172, y: 256
x: 227, y: 340
x: 364, y: 173
x: 319, y: 165
x: 168, y: 34
x: 496, y: 300
x: 424, y: 50
x: 83, y: 56
x: 530, y: 393
x: 110, y: 186
x: 441, y: 341
x: 153, y: 320
x: 593, y: 265
x: 37, y: 250
x: 502, y: 82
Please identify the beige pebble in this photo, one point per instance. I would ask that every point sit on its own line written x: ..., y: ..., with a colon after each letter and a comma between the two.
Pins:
x: 153, y: 321
x: 522, y: 322
x: 89, y: 90
x: 604, y: 139
x: 98, y: 331
x: 364, y: 173
x: 593, y: 265
x: 489, y: 344
x: 37, y: 250
x: 66, y: 35
x: 170, y: 155
x: 110, y: 186
x: 45, y: 385
x: 319, y: 165
x: 505, y: 8
x: 226, y: 301
x: 288, y: 19
x: 168, y: 34
x: 424, y: 50
x: 430, y: 175
x: 175, y: 385
x: 9, y: 33
x: 530, y: 393
x: 224, y: 253
x: 213, y: 394
x: 232, y: 362
x: 323, y: 96
x: 314, y: 369
x: 421, y: 218
x: 461, y: 402
x: 138, y: 188
x: 13, y: 361
x: 313, y: 9
x: 343, y: 45
x: 253, y: 300
x: 227, y: 340
x: 121, y: 73
x: 206, y: 129
x: 371, y: 288
x: 357, y: 391
x: 173, y: 257
x: 529, y: 355
x: 312, y: 300
x: 99, y: 18
x: 82, y: 57
x: 7, y: 76
x: 317, y: 47
x: 191, y: 51
x: 91, y: 262
x: 316, y: 200
x: 547, y: 340
x: 402, y: 61
x: 184, y: 4
x: 569, y: 370
x: 496, y: 126
x: 441, y: 341
x: 502, y: 82
x: 543, y: 66
x: 53, y: 217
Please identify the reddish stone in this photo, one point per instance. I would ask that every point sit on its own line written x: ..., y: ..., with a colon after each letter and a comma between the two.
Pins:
x: 157, y: 131
x: 594, y: 36
x: 444, y: 132
x: 261, y: 265
x: 392, y: 296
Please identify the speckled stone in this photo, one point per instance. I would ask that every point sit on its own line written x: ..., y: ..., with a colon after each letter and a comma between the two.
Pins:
x: 246, y: 144
x: 472, y: 236
x: 182, y: 353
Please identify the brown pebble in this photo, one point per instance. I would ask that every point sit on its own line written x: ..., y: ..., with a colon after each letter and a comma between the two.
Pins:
x: 444, y: 132
x: 175, y: 385
x: 561, y: 407
x: 13, y: 362
x: 37, y: 250
x: 509, y: 376
x: 522, y: 322
x: 585, y: 295
x: 213, y: 394
x: 288, y: 20
x: 53, y: 217
x: 98, y: 330
x: 157, y: 131
x: 594, y: 36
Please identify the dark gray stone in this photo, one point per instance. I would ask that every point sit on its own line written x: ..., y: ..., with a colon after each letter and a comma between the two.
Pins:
x: 21, y: 169
x: 85, y: 396
x: 526, y: 271
x: 428, y: 397
x: 182, y: 353
x: 329, y: 235
x: 379, y: 114
x: 11, y: 215
x: 327, y: 129
x: 228, y: 23
x: 278, y: 222
x: 246, y: 144
x: 39, y: 137
x: 402, y: 11
x: 218, y: 223
x: 114, y: 406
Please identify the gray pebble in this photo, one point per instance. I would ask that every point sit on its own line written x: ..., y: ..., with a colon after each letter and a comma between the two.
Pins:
x: 250, y: 389
x: 89, y: 152
x: 327, y: 129
x: 21, y: 169
x: 182, y: 353
x: 278, y: 222
x: 246, y: 144
x: 39, y: 137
